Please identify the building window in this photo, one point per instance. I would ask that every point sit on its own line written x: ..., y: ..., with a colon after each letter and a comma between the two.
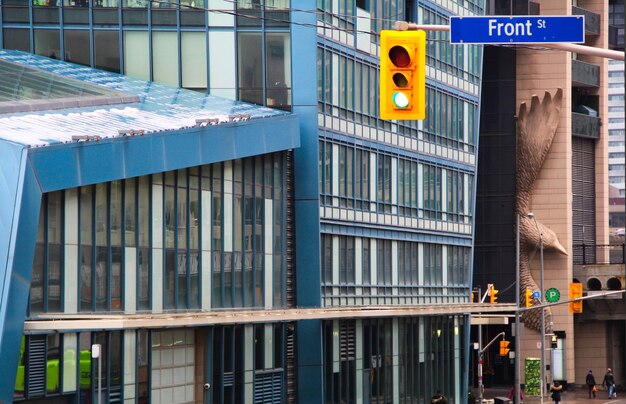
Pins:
x: 384, y: 183
x: 431, y: 195
x: 433, y: 265
x: 407, y: 188
x: 107, y: 50
x: 270, y: 84
x: 340, y: 366
x: 14, y: 38
x: 181, y: 288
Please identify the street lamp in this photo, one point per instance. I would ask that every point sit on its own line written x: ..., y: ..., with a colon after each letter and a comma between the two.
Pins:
x: 543, y: 311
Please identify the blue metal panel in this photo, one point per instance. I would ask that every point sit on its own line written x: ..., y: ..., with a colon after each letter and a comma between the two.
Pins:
x: 306, y: 158
x: 18, y: 272
x: 10, y: 156
x: 310, y: 362
x: 307, y: 239
x: 126, y: 157
x: 394, y: 233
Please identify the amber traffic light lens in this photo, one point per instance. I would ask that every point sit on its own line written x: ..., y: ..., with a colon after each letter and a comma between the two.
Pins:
x: 399, y: 56
x: 400, y: 80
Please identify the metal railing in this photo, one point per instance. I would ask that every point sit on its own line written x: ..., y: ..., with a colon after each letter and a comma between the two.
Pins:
x: 585, y: 126
x: 592, y: 20
x: 590, y: 254
x: 585, y: 74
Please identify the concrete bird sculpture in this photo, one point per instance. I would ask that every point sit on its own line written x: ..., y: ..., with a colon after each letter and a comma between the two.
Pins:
x: 536, y: 129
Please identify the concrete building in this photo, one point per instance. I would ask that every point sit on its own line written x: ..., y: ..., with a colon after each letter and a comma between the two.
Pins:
x: 369, y: 227
x: 570, y: 195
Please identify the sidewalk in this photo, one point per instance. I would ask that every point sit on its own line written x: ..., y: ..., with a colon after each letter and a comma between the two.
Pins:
x: 574, y: 396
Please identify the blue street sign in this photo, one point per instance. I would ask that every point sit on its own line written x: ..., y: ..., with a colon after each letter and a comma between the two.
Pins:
x: 536, y: 294
x: 517, y: 29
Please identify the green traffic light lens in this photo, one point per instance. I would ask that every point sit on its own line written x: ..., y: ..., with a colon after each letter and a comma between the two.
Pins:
x: 400, y: 100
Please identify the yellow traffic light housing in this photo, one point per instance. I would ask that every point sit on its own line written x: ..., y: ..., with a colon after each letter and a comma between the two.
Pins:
x: 402, y: 75
x: 493, y: 294
x: 529, y: 297
x: 576, y: 291
x: 504, y: 347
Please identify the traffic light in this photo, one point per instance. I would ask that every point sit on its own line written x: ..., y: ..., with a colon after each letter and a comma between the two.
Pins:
x: 403, y: 75
x: 504, y: 347
x: 493, y: 294
x: 554, y: 341
x: 529, y: 297
x: 576, y: 291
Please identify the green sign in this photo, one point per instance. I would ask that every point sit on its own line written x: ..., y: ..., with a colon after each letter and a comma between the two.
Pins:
x: 553, y: 295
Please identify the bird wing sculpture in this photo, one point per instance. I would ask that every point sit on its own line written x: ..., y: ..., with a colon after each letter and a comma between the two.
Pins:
x: 536, y: 129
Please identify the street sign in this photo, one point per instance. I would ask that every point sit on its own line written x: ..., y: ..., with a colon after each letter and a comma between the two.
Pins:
x: 553, y: 295
x: 517, y: 29
x: 536, y: 294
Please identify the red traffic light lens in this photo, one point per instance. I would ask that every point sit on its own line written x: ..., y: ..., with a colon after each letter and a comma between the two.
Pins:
x: 399, y: 56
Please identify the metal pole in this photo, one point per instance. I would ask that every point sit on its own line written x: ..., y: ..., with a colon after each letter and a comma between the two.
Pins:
x: 100, y: 379
x: 542, y: 383
x: 569, y: 47
x: 517, y: 319
x: 543, y: 327
x: 480, y: 359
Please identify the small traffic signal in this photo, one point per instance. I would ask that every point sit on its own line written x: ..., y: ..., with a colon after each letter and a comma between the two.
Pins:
x: 554, y: 341
x: 403, y: 75
x: 493, y: 294
x: 529, y: 297
x: 504, y: 347
x: 576, y: 291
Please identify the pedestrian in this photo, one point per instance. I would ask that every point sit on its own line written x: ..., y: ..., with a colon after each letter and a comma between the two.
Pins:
x: 609, y: 382
x: 439, y: 398
x: 511, y: 395
x: 591, y: 384
x: 556, y: 389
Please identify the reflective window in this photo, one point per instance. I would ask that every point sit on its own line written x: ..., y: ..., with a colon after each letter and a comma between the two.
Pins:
x: 47, y: 43
x: 17, y: 39
x: 77, y: 46
x: 107, y: 50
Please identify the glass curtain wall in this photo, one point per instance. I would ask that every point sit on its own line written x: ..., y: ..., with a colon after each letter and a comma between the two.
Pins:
x: 246, y: 240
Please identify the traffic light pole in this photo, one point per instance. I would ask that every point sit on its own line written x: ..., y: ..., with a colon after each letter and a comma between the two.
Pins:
x: 517, y: 392
x: 568, y: 47
x: 481, y: 350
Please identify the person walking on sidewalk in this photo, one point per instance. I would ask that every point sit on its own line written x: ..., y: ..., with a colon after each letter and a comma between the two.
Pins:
x: 609, y: 382
x: 556, y: 389
x: 439, y: 398
x: 591, y: 384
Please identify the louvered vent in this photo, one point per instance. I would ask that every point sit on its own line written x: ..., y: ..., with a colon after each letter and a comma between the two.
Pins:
x: 291, y: 364
x: 228, y: 379
x: 268, y: 387
x: 290, y: 230
x: 347, y: 340
x: 36, y: 385
x: 583, y: 199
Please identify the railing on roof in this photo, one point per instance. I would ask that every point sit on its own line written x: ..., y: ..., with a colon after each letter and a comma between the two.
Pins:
x: 590, y: 254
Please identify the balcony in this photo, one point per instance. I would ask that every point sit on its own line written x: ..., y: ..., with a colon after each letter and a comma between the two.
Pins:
x: 592, y: 20
x: 616, y: 41
x: 585, y: 74
x: 600, y: 268
x: 585, y: 126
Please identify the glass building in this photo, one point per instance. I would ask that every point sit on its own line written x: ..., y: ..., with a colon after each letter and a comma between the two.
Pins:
x: 361, y: 218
